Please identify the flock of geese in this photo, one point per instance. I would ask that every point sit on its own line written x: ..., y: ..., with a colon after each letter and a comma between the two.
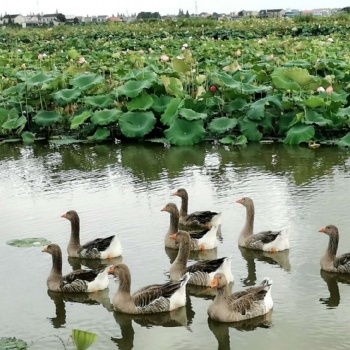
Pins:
x: 186, y: 233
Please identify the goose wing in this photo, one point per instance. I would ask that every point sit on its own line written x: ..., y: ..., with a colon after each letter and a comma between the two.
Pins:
x: 198, y: 234
x: 101, y: 244
x: 206, y: 266
x: 203, y: 217
x: 342, y: 261
x: 242, y: 302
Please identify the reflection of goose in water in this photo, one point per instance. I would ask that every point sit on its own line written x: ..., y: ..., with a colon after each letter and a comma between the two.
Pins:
x: 194, y: 254
x: 332, y: 280
x: 175, y: 318
x: 93, y: 264
x: 59, y: 298
x: 221, y: 329
x: 279, y: 258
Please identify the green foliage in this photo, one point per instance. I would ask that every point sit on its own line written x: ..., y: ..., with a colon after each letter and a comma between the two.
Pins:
x: 83, y: 339
x: 137, y: 124
x: 28, y: 242
x: 299, y: 133
x: 47, y: 118
x: 185, y: 133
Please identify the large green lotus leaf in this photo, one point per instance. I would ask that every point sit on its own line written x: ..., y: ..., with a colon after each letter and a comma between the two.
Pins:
x: 244, y: 77
x: 6, y: 114
x: 228, y: 140
x: 142, y: 102
x: 314, y: 102
x: 87, y: 81
x: 185, y: 133
x: 79, y: 119
x: 137, y: 124
x: 99, y: 101
x: 28, y: 137
x: 257, y: 109
x: 312, y: 117
x: 39, y: 79
x: 173, y: 86
x: 172, y: 111
x: 342, y: 112
x: 106, y: 116
x: 16, y: 90
x: 299, y: 133
x: 338, y: 97
x: 82, y: 339
x: 297, y: 63
x: 190, y: 114
x: 14, y: 124
x: 7, y: 343
x: 180, y: 66
x: 73, y: 54
x: 300, y: 76
x: 281, y: 81
x: 150, y: 76
x: 236, y: 105
x: 100, y: 134
x: 223, y: 124
x: 250, y: 89
x: 250, y: 130
x: 28, y: 242
x: 160, y: 103
x: 285, y: 121
x: 65, y: 96
x: 133, y: 88
x: 226, y: 80
x: 241, y: 140
x: 47, y: 118
x: 345, y: 141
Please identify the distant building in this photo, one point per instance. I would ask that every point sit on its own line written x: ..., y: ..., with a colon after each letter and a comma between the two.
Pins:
x: 115, y: 19
x: 275, y: 13
x: 244, y: 13
x: 16, y: 19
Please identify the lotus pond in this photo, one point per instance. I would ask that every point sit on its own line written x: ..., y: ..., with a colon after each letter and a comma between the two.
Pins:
x: 178, y: 82
x: 122, y: 189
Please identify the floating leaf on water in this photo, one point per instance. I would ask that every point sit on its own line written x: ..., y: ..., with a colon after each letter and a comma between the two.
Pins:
x: 82, y: 339
x: 13, y: 344
x: 28, y: 242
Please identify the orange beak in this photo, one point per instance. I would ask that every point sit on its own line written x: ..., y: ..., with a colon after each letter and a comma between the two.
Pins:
x: 173, y: 236
x: 64, y: 216
x: 164, y: 209
x: 44, y: 250
x: 322, y: 230
x: 175, y: 194
x: 214, y: 283
x: 239, y: 201
x: 111, y: 270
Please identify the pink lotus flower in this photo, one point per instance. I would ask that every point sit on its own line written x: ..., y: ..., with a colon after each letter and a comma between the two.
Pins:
x: 82, y: 60
x: 329, y: 90
x: 164, y: 58
x: 321, y: 89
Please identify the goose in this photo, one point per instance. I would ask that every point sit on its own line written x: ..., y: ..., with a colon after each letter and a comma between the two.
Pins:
x: 198, y: 219
x: 99, y: 248
x: 150, y: 299
x: 329, y: 261
x: 268, y: 241
x: 200, y: 240
x: 202, y: 272
x: 253, y: 302
x: 76, y: 281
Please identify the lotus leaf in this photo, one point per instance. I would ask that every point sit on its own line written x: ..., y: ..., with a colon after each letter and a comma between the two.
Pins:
x: 16, y: 90
x: 133, y: 88
x: 47, y: 118
x: 257, y: 108
x: 312, y: 117
x: 228, y: 140
x: 173, y: 86
x: 160, y: 103
x: 137, y: 124
x: 13, y: 344
x: 180, y: 66
x: 299, y: 133
x: 190, y: 114
x: 65, y: 96
x: 314, y: 102
x: 6, y: 114
x: 14, y: 124
x: 185, y: 133
x: 79, y: 119
x: 99, y: 101
x: 236, y: 105
x: 106, y: 116
x: 345, y: 141
x: 142, y: 102
x: 39, y: 79
x: 250, y: 130
x: 100, y: 134
x: 28, y: 242
x: 86, y: 81
x: 223, y: 124
x: 82, y: 339
x: 28, y: 137
x: 172, y: 111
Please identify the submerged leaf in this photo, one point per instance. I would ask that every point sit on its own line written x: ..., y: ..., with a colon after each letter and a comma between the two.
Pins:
x: 28, y: 242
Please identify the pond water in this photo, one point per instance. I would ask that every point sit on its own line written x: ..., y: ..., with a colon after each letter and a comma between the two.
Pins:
x: 122, y: 189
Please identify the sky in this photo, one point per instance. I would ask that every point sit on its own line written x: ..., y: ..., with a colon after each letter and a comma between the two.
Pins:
x: 109, y: 7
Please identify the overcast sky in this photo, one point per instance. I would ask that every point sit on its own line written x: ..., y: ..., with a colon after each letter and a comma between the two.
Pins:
x: 109, y: 7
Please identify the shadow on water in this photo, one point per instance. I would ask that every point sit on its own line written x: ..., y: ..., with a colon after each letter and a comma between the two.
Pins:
x: 181, y: 317
x: 101, y: 297
x: 280, y: 259
x: 332, y: 279
x: 94, y: 264
x: 221, y: 329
